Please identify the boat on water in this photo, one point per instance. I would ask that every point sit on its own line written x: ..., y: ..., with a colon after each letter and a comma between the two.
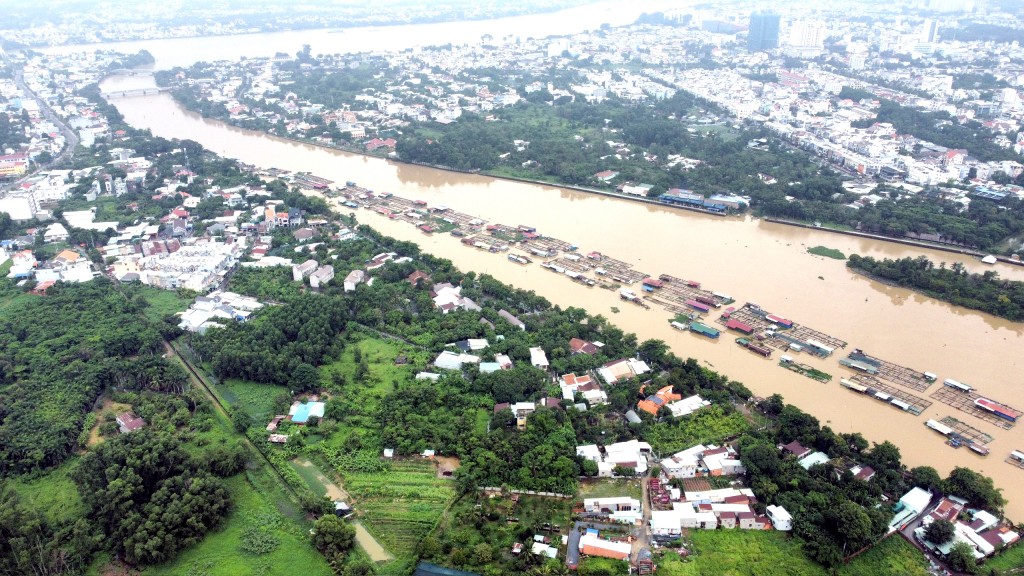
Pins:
x: 978, y: 448
x: 519, y: 259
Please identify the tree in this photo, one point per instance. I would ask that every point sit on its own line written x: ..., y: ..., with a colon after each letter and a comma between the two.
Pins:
x: 939, y: 531
x: 241, y: 419
x: 977, y: 489
x: 333, y: 537
x: 306, y: 378
x: 961, y: 558
x: 926, y: 477
x: 359, y: 568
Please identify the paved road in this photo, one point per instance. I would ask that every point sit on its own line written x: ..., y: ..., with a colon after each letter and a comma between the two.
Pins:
x: 70, y: 137
x: 643, y: 534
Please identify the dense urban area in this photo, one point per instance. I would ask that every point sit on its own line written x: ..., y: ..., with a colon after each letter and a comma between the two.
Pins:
x: 210, y: 367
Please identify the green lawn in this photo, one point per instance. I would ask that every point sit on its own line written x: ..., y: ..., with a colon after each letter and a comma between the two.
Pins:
x: 54, y: 494
x: 401, y: 506
x: 772, y: 553
x: 609, y: 488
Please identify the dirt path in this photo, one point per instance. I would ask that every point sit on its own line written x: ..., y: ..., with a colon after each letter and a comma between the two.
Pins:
x: 334, y: 492
x: 369, y: 544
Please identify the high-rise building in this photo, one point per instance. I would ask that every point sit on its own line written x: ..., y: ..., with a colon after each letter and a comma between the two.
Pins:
x: 929, y: 31
x: 807, y: 34
x: 764, y: 32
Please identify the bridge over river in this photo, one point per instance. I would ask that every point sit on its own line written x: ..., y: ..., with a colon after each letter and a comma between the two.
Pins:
x: 134, y: 92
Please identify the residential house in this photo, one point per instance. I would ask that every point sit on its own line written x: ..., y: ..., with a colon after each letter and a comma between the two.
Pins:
x: 813, y: 458
x: 418, y: 276
x: 796, y: 449
x: 580, y: 346
x: 353, y: 279
x: 620, y: 509
x: 448, y: 360
x: 304, y: 234
x: 505, y: 314
x: 654, y: 402
x: 781, y: 519
x: 592, y: 545
x: 55, y: 232
x: 129, y: 422
x: 624, y: 369
x: 538, y: 358
x: 300, y: 271
x: 301, y: 412
x: 322, y: 276
x: 448, y: 298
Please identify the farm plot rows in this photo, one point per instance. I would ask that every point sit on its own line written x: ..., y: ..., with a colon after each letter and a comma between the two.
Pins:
x: 401, y: 506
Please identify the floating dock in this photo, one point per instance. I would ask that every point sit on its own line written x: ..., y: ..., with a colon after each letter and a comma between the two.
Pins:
x: 871, y: 386
x: 966, y: 402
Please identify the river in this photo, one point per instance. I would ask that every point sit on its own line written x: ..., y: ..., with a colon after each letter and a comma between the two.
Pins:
x: 748, y: 258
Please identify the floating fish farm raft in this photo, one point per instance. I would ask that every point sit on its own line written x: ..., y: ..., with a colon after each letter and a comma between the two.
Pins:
x: 784, y: 332
x: 964, y: 430
x: 875, y: 388
x: 966, y: 401
x: 809, y: 371
x: 883, y: 370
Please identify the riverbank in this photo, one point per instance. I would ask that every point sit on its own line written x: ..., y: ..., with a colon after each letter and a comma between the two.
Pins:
x: 904, y: 241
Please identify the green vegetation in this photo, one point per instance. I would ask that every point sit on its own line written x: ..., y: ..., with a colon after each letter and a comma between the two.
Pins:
x: 607, y: 488
x: 985, y: 292
x: 261, y: 401
x: 68, y: 347
x: 54, y: 494
x: 710, y: 425
x: 401, y: 505
x: 1007, y: 562
x: 827, y: 252
x: 476, y: 533
x: 942, y: 129
x: 757, y: 553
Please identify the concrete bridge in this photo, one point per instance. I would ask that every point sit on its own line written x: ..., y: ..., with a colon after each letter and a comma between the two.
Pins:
x: 134, y: 92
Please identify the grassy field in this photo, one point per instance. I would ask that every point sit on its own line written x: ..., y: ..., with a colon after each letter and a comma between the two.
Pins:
x: 361, y: 395
x: 893, y: 556
x: 609, y: 488
x: 1012, y: 559
x: 54, y: 494
x: 256, y: 511
x: 401, y: 506
x: 162, y: 302
x: 771, y: 553
x: 255, y: 398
